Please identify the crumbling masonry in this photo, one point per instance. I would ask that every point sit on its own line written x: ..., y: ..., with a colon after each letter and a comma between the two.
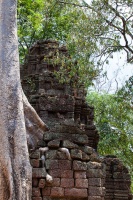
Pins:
x: 66, y: 164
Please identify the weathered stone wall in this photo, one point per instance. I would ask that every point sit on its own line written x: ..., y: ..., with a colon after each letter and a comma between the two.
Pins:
x: 117, y: 181
x: 68, y: 150
x: 56, y: 102
x: 77, y: 176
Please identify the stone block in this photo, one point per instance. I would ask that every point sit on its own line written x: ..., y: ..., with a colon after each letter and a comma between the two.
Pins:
x: 95, y: 173
x: 55, y: 183
x: 121, y: 192
x: 36, y: 192
x: 94, y: 165
x: 55, y: 173
x: 61, y: 155
x: 77, y: 138
x: 66, y: 173
x: 79, y: 165
x: 67, y: 182
x: 70, y: 128
x: 51, y: 103
x: 76, y: 154
x: 57, y: 192
x: 50, y: 136
x: 96, y: 191
x: 94, y: 157
x: 35, y: 155
x: 51, y: 154
x: 46, y: 191
x: 81, y: 139
x: 38, y: 172
x: 120, y: 185
x: 35, y: 163
x: 119, y: 175
x: 41, y: 143
x: 76, y: 193
x: 80, y: 174
x: 88, y: 150
x: 81, y: 183
x: 85, y: 157
x: 65, y: 164
x: 96, y: 182
x: 35, y: 182
x: 51, y: 164
x: 70, y: 145
x: 54, y: 143
x: 42, y: 183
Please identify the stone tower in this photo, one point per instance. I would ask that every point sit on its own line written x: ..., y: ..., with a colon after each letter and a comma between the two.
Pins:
x: 66, y: 164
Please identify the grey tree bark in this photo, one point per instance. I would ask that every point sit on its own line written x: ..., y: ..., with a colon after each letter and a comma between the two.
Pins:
x: 16, y: 114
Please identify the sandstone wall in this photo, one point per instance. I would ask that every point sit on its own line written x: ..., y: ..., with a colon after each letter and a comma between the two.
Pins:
x: 117, y: 180
x: 68, y: 152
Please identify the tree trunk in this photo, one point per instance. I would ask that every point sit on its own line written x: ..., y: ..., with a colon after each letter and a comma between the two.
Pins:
x: 15, y: 169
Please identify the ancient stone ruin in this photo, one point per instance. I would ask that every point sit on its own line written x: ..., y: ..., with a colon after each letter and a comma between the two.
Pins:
x: 66, y: 165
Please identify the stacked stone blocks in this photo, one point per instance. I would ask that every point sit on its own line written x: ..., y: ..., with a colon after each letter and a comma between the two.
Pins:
x: 70, y: 157
x: 72, y: 178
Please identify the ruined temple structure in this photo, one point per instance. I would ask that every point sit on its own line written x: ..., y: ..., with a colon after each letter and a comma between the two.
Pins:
x: 66, y: 165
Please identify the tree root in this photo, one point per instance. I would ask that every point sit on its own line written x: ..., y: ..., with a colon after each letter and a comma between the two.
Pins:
x: 35, y: 127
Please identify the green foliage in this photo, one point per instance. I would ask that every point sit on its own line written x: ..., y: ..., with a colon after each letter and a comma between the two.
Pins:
x: 43, y: 19
x: 91, y: 32
x: 114, y: 121
x: 29, y: 20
